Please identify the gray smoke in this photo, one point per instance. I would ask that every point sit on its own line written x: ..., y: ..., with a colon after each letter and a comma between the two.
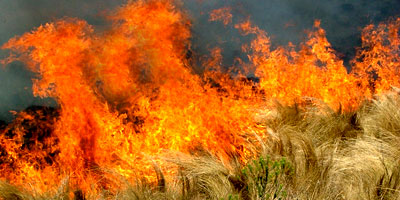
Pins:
x: 284, y: 20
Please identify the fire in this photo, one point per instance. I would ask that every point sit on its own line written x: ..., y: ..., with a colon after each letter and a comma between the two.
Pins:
x: 222, y: 14
x: 314, y: 71
x: 129, y: 93
x: 377, y: 61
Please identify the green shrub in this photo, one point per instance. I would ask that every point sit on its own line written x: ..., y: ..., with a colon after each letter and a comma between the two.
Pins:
x: 265, y: 178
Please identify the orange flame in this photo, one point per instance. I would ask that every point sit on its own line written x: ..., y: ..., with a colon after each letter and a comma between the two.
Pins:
x: 314, y: 71
x: 222, y: 14
x: 377, y: 61
x: 127, y: 94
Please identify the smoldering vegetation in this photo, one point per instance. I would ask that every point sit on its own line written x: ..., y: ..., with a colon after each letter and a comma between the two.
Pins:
x: 311, y: 152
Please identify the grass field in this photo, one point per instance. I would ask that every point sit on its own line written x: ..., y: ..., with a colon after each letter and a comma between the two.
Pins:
x: 311, y: 152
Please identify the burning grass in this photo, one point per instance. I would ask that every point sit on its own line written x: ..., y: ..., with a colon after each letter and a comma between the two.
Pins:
x: 135, y: 121
x: 311, y: 152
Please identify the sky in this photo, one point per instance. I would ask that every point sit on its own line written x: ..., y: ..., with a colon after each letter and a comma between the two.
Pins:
x: 284, y: 21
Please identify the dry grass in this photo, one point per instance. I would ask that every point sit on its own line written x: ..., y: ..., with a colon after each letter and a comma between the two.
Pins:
x: 311, y: 153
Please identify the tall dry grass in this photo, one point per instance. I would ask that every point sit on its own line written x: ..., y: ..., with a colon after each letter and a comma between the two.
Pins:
x: 310, y: 152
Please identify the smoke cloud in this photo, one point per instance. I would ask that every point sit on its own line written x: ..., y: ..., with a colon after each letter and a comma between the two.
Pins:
x: 284, y: 20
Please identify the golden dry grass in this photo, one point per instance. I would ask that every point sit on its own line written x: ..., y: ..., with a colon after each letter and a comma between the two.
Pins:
x: 311, y: 152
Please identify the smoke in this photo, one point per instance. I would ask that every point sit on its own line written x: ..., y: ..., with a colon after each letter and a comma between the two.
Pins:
x: 284, y: 20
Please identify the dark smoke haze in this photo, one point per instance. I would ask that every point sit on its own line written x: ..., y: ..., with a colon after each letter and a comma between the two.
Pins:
x: 284, y: 20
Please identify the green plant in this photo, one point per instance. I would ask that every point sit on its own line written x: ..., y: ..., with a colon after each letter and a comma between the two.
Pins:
x: 264, y: 178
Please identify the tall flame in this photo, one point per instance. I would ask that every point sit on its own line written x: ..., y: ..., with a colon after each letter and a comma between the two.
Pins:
x: 129, y: 93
